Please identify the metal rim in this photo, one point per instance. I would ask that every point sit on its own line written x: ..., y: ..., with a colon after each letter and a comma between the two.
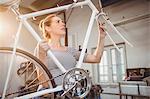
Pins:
x: 29, y: 56
x: 84, y: 81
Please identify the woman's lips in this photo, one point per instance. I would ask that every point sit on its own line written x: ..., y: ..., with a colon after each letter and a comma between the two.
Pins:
x: 63, y: 28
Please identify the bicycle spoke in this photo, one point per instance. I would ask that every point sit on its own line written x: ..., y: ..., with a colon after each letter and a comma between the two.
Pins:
x: 24, y: 79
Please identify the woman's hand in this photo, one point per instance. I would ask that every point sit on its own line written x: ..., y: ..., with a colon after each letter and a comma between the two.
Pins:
x: 102, y: 30
x: 43, y: 47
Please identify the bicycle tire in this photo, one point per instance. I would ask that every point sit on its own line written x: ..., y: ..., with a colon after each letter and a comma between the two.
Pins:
x: 27, y: 55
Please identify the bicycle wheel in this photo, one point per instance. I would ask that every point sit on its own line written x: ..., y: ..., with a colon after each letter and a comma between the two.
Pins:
x: 23, y: 79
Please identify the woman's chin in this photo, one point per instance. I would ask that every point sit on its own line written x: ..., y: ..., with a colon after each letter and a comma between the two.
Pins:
x: 63, y: 33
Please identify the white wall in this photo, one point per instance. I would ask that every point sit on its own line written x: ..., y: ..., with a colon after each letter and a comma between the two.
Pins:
x: 8, y: 29
x: 136, y: 32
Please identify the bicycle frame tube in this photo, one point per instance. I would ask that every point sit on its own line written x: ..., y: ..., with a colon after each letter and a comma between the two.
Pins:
x: 39, y: 93
x: 51, y: 10
x: 86, y: 39
x: 12, y: 59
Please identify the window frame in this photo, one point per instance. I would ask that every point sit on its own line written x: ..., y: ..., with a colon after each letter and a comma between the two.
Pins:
x: 108, y: 48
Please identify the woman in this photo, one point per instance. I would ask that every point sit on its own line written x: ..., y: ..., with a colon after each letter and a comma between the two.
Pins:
x: 53, y: 29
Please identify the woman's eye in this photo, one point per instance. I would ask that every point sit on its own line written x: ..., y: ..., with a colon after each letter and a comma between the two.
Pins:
x: 58, y: 21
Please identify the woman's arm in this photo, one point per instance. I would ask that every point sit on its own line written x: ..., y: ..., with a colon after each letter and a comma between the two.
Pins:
x: 96, y: 56
x: 41, y: 51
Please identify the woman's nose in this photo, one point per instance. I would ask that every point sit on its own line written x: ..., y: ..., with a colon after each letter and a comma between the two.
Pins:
x: 63, y: 23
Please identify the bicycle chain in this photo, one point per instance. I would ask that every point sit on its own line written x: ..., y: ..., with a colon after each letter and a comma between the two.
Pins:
x: 34, y: 85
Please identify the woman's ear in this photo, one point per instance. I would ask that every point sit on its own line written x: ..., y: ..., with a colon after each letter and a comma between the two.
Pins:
x: 47, y: 28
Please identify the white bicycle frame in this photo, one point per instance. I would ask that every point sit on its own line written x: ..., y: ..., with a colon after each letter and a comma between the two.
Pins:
x: 23, y: 20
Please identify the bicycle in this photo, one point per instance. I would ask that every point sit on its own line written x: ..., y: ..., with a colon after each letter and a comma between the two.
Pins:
x: 79, y: 77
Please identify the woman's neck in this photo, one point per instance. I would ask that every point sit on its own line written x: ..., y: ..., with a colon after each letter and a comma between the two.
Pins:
x: 55, y: 43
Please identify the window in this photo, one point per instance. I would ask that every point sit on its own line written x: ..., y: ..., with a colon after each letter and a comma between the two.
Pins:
x: 112, y: 67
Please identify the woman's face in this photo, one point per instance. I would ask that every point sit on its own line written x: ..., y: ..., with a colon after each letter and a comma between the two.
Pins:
x: 57, y: 26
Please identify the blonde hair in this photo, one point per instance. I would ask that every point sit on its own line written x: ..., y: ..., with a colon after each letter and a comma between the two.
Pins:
x: 46, y: 22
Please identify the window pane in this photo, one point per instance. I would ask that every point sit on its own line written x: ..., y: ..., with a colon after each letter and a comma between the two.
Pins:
x: 106, y: 78
x: 101, y: 69
x: 103, y: 65
x: 123, y: 69
x: 113, y: 56
x: 105, y: 58
x: 122, y: 55
x: 106, y: 70
x: 101, y: 79
x: 115, y: 78
x: 114, y: 69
